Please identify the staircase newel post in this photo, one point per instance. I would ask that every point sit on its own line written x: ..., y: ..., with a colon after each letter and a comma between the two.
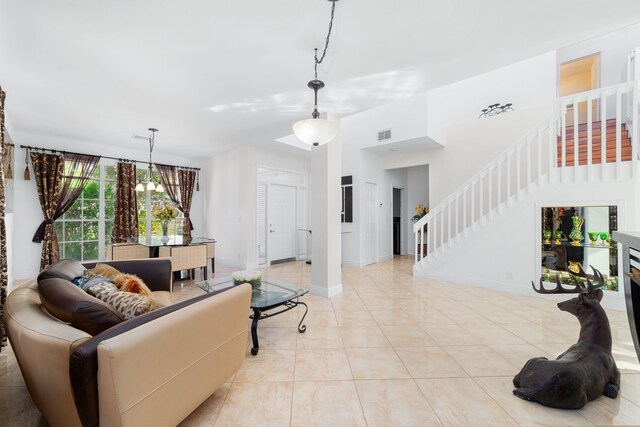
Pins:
x: 603, y: 137
x: 576, y: 140
x: 634, y: 130
x: 415, y: 245
x: 618, y: 133
x: 589, y: 139
x: 563, y: 153
x: 553, y: 147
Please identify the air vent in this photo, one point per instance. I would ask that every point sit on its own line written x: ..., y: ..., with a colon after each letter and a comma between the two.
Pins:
x: 383, y: 135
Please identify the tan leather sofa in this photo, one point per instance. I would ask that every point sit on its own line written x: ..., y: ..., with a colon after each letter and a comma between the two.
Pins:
x: 153, y: 370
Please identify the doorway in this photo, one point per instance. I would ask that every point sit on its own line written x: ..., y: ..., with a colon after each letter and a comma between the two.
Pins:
x: 281, y: 216
x: 580, y: 75
x: 397, y: 221
x: 370, y: 223
x: 281, y: 225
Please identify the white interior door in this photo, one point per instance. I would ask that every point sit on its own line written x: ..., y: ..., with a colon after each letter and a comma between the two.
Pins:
x: 281, y: 222
x: 261, y: 224
x: 371, y: 223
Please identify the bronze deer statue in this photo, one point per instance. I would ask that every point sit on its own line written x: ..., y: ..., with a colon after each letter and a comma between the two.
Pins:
x: 587, y: 369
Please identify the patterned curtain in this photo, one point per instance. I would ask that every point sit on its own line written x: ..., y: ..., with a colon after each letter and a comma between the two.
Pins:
x: 79, y: 169
x: 48, y: 170
x: 187, y: 180
x: 3, y: 233
x: 125, y: 223
x: 178, y: 184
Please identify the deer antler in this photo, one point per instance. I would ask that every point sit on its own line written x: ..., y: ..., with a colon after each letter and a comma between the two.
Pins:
x: 559, y: 289
x: 578, y: 288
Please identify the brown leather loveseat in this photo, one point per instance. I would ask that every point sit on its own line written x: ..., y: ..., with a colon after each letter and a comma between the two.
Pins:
x: 153, y: 370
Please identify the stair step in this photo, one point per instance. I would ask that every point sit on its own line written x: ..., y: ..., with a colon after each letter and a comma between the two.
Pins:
x: 584, y: 135
x: 594, y: 125
x: 583, y: 145
x: 594, y: 149
x: 582, y: 160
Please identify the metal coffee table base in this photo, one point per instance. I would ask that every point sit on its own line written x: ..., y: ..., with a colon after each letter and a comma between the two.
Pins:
x: 259, y: 314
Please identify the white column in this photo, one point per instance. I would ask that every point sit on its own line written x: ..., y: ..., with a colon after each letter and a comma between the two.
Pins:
x: 326, y: 275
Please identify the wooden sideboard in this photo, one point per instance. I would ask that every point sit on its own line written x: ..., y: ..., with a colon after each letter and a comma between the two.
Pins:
x: 630, y: 242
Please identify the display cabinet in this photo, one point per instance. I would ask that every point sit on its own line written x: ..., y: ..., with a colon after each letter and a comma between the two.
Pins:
x: 576, y: 237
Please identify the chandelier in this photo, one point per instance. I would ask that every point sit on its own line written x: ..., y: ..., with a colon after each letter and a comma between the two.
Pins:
x: 148, y: 183
x: 317, y: 131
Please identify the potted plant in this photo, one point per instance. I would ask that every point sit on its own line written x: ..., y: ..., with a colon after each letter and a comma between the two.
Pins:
x: 165, y: 212
x: 421, y: 211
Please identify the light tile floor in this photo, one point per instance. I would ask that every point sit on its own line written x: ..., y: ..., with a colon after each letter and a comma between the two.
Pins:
x: 391, y: 350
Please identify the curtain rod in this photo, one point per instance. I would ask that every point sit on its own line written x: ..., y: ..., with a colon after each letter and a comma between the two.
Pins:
x: 51, y: 150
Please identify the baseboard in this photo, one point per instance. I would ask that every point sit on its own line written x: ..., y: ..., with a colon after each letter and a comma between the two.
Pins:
x: 230, y: 263
x: 351, y: 263
x: 326, y: 292
x: 609, y: 301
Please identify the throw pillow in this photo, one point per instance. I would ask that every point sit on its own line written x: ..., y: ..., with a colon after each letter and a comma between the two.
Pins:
x: 105, y: 270
x: 71, y: 304
x: 127, y: 304
x: 132, y: 283
x: 88, y: 279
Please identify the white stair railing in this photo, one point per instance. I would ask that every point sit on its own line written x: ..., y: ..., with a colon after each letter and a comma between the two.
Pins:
x: 546, y: 153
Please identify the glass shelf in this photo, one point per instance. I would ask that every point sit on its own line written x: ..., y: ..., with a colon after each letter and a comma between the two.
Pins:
x: 582, y: 245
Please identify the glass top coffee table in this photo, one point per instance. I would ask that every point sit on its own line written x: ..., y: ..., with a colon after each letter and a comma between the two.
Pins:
x: 271, y: 295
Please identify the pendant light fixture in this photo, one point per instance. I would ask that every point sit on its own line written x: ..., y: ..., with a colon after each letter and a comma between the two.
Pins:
x: 317, y: 131
x: 150, y: 185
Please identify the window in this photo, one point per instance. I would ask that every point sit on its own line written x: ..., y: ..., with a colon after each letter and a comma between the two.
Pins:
x: 146, y: 223
x: 85, y: 228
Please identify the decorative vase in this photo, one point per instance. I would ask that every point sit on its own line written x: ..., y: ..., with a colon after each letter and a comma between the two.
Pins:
x: 574, y: 267
x: 558, y: 234
x: 547, y: 237
x: 593, y: 236
x: 165, y: 232
x: 604, y: 236
x: 576, y: 233
x: 254, y: 278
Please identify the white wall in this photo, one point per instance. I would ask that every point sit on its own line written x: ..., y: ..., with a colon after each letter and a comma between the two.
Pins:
x: 417, y: 193
x: 444, y: 114
x: 613, y: 48
x: 406, y: 119
x: 27, y: 211
x: 231, y: 200
x: 526, y: 84
x: 505, y: 253
x: 470, y: 147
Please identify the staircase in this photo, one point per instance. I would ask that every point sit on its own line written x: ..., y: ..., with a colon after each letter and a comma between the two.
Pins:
x: 544, y: 159
x: 610, y: 135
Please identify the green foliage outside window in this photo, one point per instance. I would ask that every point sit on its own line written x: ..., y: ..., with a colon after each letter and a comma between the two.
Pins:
x: 78, y: 230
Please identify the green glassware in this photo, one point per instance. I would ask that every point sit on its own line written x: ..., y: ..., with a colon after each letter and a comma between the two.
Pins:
x: 593, y: 236
x: 547, y: 237
x: 604, y: 236
x: 558, y: 234
x: 576, y: 233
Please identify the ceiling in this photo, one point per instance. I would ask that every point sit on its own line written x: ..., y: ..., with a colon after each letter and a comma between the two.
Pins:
x: 214, y: 75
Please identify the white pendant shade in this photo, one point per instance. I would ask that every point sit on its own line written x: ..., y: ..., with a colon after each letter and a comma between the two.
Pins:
x: 139, y: 187
x: 159, y: 188
x: 151, y: 186
x: 315, y: 131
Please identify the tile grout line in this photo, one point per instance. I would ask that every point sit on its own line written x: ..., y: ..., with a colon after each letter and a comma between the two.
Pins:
x: 353, y: 379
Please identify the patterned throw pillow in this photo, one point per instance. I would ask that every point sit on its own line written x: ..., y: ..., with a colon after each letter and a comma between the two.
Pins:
x: 88, y: 279
x: 105, y: 270
x: 127, y: 304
